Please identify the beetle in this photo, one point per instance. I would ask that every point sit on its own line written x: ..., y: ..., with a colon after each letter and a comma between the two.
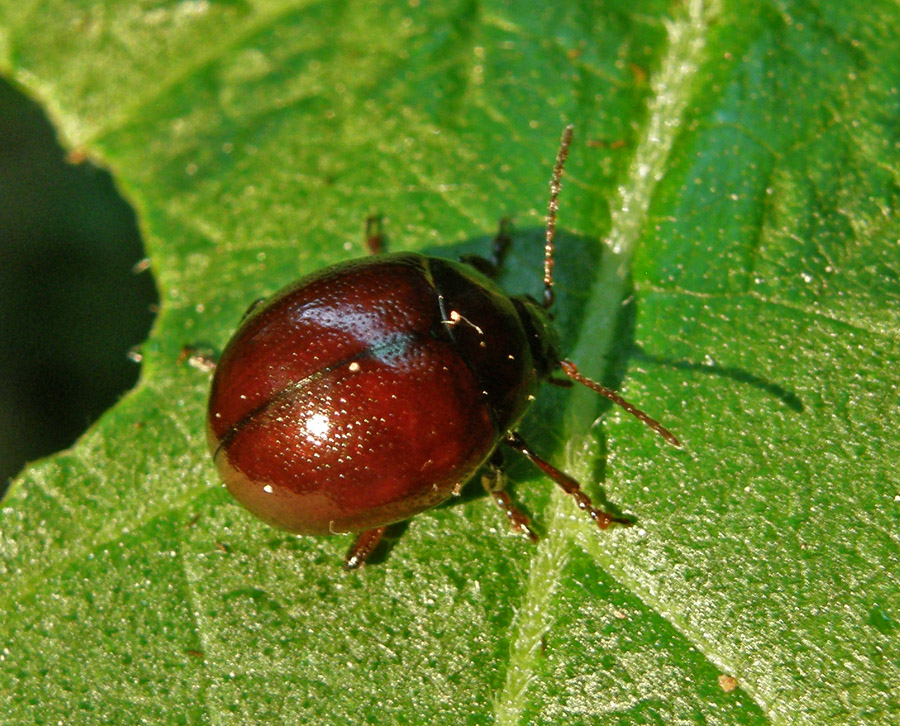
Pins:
x: 376, y: 388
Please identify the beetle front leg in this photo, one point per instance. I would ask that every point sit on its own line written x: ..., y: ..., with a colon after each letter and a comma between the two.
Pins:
x: 494, y: 482
x: 363, y: 546
x: 567, y: 483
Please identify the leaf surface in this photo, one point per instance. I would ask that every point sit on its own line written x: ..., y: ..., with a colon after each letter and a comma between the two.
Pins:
x: 728, y: 258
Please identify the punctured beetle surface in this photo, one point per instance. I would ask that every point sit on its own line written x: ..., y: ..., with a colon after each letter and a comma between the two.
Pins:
x: 351, y: 399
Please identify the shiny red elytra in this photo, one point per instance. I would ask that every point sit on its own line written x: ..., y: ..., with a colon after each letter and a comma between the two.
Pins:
x: 375, y: 389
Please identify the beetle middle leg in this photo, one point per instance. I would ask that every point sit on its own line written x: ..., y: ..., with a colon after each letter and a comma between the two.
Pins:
x: 494, y: 482
x: 567, y: 483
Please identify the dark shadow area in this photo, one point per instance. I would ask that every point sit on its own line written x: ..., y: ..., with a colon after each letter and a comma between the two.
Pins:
x: 71, y: 304
x: 383, y: 549
x: 787, y: 397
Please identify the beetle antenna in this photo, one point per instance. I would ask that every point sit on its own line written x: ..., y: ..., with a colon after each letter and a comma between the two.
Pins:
x: 552, y: 208
x: 570, y: 369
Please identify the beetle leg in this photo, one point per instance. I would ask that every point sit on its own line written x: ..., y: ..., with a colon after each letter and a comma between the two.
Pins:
x: 494, y: 482
x: 204, y: 358
x: 491, y: 266
x: 569, y: 485
x: 199, y: 357
x: 374, y: 234
x: 362, y: 547
x: 502, y: 242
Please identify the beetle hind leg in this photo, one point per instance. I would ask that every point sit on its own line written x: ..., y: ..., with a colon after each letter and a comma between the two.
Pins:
x: 362, y: 547
x: 494, y: 482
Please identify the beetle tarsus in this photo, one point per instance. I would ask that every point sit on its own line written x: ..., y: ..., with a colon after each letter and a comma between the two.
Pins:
x: 363, y: 546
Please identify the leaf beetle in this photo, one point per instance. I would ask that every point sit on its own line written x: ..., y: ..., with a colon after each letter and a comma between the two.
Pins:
x: 374, y: 389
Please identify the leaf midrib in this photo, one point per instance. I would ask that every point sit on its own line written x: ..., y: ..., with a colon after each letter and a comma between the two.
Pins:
x: 672, y: 89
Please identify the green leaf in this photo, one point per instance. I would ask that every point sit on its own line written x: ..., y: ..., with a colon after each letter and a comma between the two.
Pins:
x: 734, y: 180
